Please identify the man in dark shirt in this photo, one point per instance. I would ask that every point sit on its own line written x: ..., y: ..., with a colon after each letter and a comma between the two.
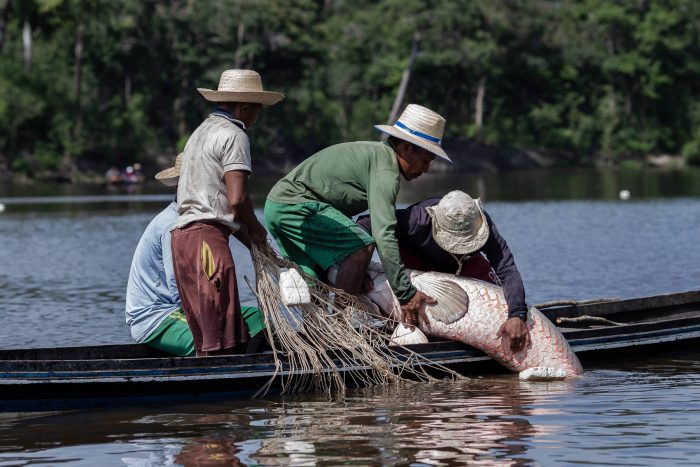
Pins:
x: 455, y: 235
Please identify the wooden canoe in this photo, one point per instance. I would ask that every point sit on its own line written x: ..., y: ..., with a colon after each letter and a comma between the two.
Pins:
x: 57, y: 379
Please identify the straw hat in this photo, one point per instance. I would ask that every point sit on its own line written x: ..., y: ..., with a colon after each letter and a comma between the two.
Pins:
x: 419, y: 126
x: 459, y: 223
x: 170, y: 177
x: 241, y: 86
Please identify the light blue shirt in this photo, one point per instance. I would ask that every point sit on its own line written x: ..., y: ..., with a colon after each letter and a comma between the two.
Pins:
x: 151, y: 294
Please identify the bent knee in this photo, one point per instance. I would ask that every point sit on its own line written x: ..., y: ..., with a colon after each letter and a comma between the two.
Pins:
x: 362, y: 255
x: 365, y: 253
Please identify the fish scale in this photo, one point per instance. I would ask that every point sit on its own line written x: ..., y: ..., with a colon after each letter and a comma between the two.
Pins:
x: 487, y: 311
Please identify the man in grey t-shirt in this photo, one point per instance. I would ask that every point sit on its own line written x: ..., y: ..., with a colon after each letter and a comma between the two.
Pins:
x: 213, y: 203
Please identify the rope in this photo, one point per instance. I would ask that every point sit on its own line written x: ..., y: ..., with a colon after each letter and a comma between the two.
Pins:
x: 459, y: 262
x: 588, y: 319
x: 574, y: 302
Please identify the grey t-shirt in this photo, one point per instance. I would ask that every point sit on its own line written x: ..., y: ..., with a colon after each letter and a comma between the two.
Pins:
x: 217, y: 146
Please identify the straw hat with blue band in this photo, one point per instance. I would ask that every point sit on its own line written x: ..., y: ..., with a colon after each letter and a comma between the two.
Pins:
x: 420, y: 126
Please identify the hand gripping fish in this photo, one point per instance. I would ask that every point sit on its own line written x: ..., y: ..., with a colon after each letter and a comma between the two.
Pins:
x: 472, y: 311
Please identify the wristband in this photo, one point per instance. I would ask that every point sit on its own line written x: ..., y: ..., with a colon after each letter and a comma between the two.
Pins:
x: 519, y: 314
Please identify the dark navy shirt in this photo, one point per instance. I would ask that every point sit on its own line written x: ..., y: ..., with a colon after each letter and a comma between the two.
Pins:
x: 414, y: 230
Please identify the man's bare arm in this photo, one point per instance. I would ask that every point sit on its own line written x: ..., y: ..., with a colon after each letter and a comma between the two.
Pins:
x: 241, y: 206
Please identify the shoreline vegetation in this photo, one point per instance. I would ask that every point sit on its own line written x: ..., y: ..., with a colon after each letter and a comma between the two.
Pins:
x: 471, y: 157
x: 86, y: 86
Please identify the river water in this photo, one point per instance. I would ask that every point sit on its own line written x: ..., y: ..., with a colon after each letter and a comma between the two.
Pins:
x: 64, y: 260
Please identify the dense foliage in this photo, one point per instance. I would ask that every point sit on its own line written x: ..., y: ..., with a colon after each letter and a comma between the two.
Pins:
x: 85, y: 84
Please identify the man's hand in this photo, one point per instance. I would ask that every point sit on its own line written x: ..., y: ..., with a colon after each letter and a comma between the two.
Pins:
x: 257, y: 233
x: 243, y: 235
x: 517, y: 334
x: 414, y: 310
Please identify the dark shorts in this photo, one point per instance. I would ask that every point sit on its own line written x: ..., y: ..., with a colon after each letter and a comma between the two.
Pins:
x: 206, y: 279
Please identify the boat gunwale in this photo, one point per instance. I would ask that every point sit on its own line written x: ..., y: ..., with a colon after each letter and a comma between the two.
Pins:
x: 448, y: 352
x: 612, y: 306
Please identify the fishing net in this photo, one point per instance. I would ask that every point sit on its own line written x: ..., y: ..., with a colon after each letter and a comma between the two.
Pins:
x: 335, y: 341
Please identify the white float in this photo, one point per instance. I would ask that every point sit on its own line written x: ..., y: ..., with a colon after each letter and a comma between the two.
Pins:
x: 293, y: 288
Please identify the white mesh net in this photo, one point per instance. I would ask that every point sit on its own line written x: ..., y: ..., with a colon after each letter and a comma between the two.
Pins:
x: 335, y: 341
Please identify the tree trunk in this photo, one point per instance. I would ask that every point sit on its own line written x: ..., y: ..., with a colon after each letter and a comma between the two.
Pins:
x: 479, y: 104
x: 628, y: 101
x: 78, y: 55
x: 612, y: 102
x: 27, y: 43
x: 127, y: 89
x: 4, y: 17
x: 404, y: 80
x: 240, y: 37
x: 179, y: 117
x: 68, y: 163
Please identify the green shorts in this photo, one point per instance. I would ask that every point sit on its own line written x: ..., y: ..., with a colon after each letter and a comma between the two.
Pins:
x: 254, y: 319
x: 314, y: 235
x: 174, y: 336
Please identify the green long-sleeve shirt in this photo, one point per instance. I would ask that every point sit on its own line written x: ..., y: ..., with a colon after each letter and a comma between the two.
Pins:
x: 354, y: 177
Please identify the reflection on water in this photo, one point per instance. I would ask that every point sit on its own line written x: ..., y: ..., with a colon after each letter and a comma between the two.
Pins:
x: 641, y: 415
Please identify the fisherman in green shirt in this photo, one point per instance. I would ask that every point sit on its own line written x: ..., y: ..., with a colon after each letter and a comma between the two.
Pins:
x: 309, y: 211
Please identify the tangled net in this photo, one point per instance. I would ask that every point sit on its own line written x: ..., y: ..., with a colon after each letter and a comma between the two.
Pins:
x: 336, y: 341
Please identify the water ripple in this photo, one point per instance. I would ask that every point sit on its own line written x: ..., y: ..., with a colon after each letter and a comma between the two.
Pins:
x: 631, y: 416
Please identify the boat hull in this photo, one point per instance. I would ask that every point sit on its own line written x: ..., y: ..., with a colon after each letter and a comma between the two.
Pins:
x: 59, y: 379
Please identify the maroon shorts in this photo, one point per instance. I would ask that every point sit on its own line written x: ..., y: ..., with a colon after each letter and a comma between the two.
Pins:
x: 206, y: 280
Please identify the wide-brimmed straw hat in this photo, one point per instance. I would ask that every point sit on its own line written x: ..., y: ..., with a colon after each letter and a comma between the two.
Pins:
x: 170, y: 176
x: 241, y: 86
x: 420, y: 126
x: 459, y: 223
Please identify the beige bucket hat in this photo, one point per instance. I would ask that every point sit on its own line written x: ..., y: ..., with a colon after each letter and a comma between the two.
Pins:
x: 241, y: 86
x: 420, y: 126
x: 170, y: 176
x: 459, y: 223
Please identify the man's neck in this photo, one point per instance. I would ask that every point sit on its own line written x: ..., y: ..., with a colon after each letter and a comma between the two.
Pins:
x: 222, y: 111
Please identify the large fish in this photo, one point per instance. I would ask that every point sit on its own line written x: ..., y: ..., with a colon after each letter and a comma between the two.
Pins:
x: 472, y: 311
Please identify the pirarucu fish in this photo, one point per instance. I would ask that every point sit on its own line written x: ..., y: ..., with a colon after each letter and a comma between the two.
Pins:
x: 472, y: 313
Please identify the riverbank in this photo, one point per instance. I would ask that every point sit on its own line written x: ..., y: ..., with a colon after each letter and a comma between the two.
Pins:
x: 467, y: 156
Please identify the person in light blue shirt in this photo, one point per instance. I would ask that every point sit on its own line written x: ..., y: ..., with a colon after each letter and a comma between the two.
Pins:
x: 153, y: 309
